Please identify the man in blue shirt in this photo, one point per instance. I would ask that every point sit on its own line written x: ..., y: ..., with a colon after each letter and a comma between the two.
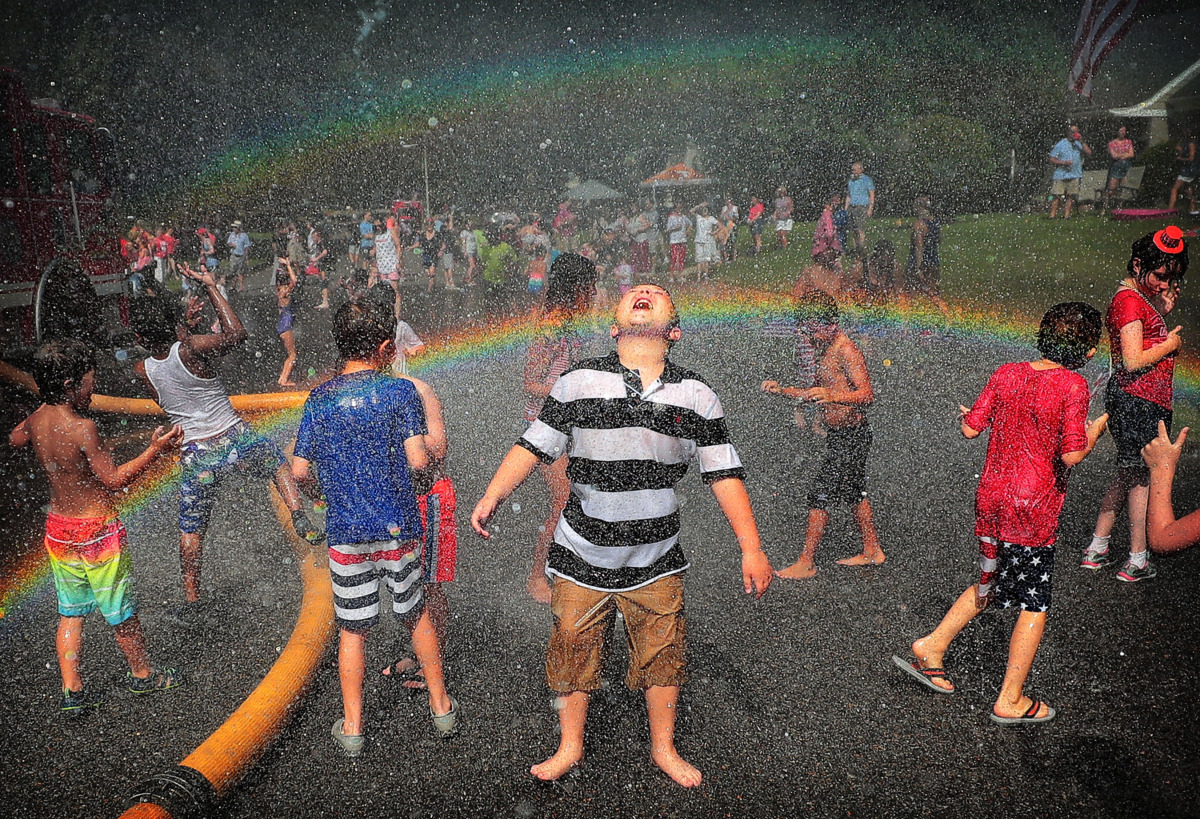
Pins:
x: 860, y: 205
x: 364, y: 430
x: 1067, y: 158
x: 239, y: 252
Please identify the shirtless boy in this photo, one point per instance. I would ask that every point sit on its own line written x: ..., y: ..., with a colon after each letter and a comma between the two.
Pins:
x: 84, y: 536
x: 842, y: 394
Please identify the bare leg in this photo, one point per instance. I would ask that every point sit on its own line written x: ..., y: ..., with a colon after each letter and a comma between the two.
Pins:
x: 1026, y: 636
x: 438, y: 606
x: 288, y: 490
x: 872, y: 553
x: 191, y: 550
x: 289, y: 345
x: 1139, y: 498
x: 1174, y: 194
x: 1053, y: 206
x: 660, y: 708
x: 351, y: 668
x: 69, y: 642
x: 132, y: 643
x: 425, y: 646
x: 1114, y: 498
x: 930, y: 650
x: 1070, y: 200
x: 555, y: 475
x: 804, y: 567
x: 572, y: 717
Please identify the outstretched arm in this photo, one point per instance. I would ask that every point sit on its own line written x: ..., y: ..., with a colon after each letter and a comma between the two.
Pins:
x: 1165, y: 533
x: 735, y: 503
x: 232, y: 332
x: 514, y: 469
x: 118, y: 477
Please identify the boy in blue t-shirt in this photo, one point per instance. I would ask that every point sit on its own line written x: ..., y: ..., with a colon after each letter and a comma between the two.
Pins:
x: 364, y: 431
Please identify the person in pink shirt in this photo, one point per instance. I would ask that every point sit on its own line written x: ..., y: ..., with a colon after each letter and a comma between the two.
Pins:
x: 825, y: 236
x: 1120, y: 151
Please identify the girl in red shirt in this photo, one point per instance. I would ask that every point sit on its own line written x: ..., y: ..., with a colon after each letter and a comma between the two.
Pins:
x: 1139, y: 392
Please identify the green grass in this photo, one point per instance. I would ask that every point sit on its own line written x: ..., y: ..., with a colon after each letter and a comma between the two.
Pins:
x: 1018, y: 264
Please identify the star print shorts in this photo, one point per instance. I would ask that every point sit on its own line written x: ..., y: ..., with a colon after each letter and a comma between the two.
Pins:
x: 1016, y: 576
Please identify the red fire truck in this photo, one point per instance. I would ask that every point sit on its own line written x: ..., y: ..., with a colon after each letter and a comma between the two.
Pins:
x: 59, y: 231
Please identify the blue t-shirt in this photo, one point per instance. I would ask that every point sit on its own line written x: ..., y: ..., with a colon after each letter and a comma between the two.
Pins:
x: 1070, y: 150
x: 239, y: 243
x: 860, y: 190
x: 367, y: 231
x: 354, y: 428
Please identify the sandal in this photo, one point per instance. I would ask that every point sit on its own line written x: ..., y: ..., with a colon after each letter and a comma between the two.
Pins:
x: 1030, y: 717
x: 160, y: 680
x: 446, y: 724
x: 407, y: 673
x: 352, y: 744
x: 925, y: 676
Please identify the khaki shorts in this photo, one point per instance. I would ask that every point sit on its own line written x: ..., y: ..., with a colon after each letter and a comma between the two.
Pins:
x: 1065, y: 187
x: 654, y: 630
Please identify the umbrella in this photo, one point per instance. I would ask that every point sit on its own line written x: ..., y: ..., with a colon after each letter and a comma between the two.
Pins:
x: 676, y: 176
x: 593, y: 189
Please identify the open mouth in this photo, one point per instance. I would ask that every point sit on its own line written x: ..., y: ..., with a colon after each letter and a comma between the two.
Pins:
x: 642, y: 303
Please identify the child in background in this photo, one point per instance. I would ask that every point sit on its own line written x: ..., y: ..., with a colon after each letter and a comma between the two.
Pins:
x: 285, y: 285
x: 843, y: 393
x: 1139, y: 393
x: 1037, y: 412
x: 84, y: 537
x: 623, y: 274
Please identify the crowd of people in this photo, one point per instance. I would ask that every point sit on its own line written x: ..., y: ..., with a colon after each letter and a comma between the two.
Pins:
x: 372, y: 441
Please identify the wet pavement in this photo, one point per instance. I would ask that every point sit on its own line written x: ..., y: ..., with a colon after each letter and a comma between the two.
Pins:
x: 793, y: 707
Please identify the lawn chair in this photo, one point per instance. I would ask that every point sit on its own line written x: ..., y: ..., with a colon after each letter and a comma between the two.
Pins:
x: 1129, y: 186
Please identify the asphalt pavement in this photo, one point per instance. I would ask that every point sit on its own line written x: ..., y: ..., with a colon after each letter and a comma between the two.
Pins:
x: 793, y: 707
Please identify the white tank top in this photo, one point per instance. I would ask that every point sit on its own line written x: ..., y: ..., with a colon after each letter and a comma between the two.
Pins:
x: 199, y: 405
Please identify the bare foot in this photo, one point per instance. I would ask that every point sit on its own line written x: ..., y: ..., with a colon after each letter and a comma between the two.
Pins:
x: 676, y: 767
x: 558, y: 765
x: 287, y: 383
x: 931, y: 659
x: 800, y: 570
x: 864, y: 559
x: 539, y: 589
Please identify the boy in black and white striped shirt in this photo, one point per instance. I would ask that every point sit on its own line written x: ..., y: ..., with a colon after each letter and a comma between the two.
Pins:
x: 629, y: 423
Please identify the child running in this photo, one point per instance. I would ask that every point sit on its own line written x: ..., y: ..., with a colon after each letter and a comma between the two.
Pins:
x: 1038, y: 415
x: 84, y: 537
x: 363, y: 430
x: 1139, y: 393
x: 285, y: 286
x: 629, y: 424
x: 843, y: 392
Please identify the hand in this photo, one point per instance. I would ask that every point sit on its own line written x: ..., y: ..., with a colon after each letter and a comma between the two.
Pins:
x: 963, y: 412
x: 205, y: 278
x: 1161, y: 453
x: 771, y: 387
x: 819, y: 395
x: 756, y: 572
x: 1170, y: 297
x: 163, y: 439
x: 1096, y: 428
x: 482, y: 514
x: 1174, y: 341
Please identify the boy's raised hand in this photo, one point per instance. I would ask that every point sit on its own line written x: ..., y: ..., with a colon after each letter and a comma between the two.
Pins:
x: 205, y: 278
x: 1162, y: 453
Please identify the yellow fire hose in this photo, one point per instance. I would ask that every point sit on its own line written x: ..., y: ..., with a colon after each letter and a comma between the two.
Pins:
x: 192, y: 788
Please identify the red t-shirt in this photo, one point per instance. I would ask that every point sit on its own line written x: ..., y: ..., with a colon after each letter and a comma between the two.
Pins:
x: 171, y: 243
x: 1152, y: 383
x: 159, y: 243
x: 1036, y: 416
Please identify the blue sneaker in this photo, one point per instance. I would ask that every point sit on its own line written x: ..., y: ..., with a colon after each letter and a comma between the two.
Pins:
x: 1132, y: 574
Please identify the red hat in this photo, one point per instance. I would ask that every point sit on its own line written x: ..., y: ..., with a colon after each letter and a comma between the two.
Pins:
x: 1169, y: 240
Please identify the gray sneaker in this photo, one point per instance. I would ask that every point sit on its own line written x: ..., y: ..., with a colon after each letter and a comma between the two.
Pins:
x: 1094, y: 560
x: 1132, y: 574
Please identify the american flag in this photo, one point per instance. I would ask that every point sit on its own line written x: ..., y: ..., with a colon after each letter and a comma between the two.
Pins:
x: 1102, y: 24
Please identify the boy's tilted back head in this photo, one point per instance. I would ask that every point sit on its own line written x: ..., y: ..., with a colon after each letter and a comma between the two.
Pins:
x: 1069, y: 333
x: 1164, y: 249
x: 154, y: 320
x: 360, y: 328
x: 59, y: 366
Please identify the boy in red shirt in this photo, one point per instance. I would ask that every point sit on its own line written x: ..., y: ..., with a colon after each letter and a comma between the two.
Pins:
x: 1038, y: 415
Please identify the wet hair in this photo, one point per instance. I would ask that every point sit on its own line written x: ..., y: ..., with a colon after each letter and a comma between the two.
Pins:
x: 154, y: 320
x: 571, y: 283
x: 1154, y: 250
x: 60, y: 363
x: 360, y: 327
x: 1069, y: 331
x: 816, y: 306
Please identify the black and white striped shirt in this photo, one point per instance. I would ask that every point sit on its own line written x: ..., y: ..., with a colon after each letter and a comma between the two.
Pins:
x: 626, y: 449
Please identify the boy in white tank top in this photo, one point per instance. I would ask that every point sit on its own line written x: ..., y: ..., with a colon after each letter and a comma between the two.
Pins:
x: 182, y: 375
